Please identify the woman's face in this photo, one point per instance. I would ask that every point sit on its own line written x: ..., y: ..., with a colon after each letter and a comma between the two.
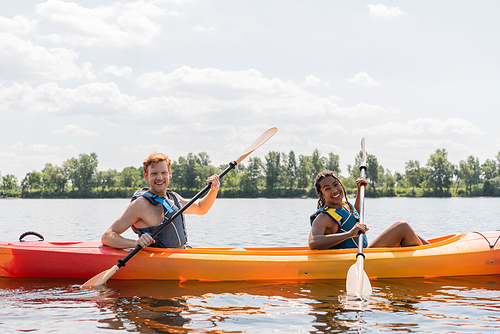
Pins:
x: 332, y: 192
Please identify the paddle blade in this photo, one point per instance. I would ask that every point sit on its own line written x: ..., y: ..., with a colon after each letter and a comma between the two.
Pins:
x: 357, y: 280
x: 101, y: 278
x: 258, y: 143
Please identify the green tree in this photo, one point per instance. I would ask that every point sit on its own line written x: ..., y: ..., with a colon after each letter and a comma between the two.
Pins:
x: 192, y: 180
x: 317, y: 163
x: 81, y: 171
x: 304, y: 172
x: 291, y: 170
x: 178, y: 173
x: 31, y: 181
x: 53, y: 178
x: 490, y: 169
x: 372, y: 170
x: 272, y: 169
x: 440, y: 170
x: 470, y: 172
x: 333, y: 163
x: 70, y: 168
x: 413, y: 173
x: 9, y: 182
x: 389, y: 183
x: 107, y: 179
x: 253, y: 176
x: 129, y: 177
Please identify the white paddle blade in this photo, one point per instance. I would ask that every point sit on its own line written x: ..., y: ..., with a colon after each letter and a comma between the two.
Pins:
x: 358, y: 282
x: 101, y: 278
x: 258, y: 143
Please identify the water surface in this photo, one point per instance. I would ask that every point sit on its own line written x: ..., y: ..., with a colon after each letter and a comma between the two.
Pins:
x: 440, y: 305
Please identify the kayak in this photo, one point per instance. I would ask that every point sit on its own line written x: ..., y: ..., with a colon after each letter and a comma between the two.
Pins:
x: 451, y: 255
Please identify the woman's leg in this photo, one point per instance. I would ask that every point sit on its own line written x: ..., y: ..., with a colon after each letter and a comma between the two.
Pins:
x: 399, y: 234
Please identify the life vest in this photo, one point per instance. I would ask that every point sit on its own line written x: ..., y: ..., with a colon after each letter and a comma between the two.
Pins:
x: 172, y: 236
x: 346, y: 221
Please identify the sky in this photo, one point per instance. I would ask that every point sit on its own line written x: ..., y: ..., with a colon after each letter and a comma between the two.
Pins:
x: 124, y: 79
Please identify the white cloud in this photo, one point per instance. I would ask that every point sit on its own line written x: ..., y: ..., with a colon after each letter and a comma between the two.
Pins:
x: 18, y: 25
x: 383, y: 10
x: 426, y: 126
x: 217, y: 90
x: 187, y: 76
x: 362, y: 78
x: 313, y: 81
x: 75, y: 130
x: 119, y: 71
x: 50, y: 97
x: 27, y: 158
x: 121, y: 24
x: 20, y: 58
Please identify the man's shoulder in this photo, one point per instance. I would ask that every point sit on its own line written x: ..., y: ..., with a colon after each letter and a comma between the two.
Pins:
x: 140, y: 203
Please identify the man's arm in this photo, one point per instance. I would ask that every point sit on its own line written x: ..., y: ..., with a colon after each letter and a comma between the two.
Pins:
x: 112, y: 236
x: 201, y: 206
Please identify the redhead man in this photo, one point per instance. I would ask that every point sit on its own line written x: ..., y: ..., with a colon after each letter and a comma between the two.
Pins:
x: 150, y: 207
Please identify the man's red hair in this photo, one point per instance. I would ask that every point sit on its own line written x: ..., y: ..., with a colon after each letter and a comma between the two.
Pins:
x: 154, y: 158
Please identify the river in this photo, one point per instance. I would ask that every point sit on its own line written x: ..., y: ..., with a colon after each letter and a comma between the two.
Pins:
x: 440, y: 305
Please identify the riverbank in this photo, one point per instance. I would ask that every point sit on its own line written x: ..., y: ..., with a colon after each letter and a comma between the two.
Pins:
x: 258, y: 193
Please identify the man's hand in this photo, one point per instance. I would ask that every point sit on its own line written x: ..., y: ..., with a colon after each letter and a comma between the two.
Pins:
x: 145, y: 240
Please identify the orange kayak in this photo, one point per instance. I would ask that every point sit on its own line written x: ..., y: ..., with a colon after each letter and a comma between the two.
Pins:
x: 452, y: 255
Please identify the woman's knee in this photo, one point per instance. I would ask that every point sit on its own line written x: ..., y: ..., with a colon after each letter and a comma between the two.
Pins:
x: 401, y: 225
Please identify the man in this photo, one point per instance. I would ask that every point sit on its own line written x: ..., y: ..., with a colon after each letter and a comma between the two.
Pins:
x: 150, y: 207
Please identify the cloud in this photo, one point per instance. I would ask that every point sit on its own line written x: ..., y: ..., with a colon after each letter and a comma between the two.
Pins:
x: 191, y: 95
x: 250, y: 80
x: 384, y: 11
x: 18, y: 25
x: 426, y: 126
x: 74, y: 130
x: 120, y: 24
x: 50, y: 98
x: 247, y: 90
x: 42, y: 148
x: 362, y: 78
x: 119, y: 71
x: 313, y: 81
x: 26, y: 158
x: 20, y: 58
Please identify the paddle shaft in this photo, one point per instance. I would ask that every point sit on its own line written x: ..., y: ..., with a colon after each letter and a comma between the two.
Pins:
x: 163, y: 225
x: 362, y: 168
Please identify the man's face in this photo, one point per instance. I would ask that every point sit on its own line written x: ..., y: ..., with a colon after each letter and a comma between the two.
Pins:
x: 158, y: 175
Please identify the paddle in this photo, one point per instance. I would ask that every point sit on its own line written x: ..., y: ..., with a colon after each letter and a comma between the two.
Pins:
x: 357, y: 280
x: 103, y: 277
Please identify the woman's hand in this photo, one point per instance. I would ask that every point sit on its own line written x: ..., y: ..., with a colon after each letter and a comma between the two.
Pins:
x: 359, y: 228
x: 360, y: 181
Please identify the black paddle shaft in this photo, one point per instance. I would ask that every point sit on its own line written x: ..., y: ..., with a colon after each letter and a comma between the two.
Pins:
x: 162, y: 226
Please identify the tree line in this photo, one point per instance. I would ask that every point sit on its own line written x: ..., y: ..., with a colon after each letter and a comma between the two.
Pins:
x: 279, y: 174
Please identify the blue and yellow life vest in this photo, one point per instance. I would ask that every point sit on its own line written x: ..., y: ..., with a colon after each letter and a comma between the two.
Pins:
x: 172, y: 236
x: 346, y: 221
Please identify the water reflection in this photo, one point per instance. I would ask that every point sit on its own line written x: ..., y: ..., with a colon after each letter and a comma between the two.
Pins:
x: 445, y: 305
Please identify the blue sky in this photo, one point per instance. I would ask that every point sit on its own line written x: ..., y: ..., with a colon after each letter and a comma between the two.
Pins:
x: 126, y: 78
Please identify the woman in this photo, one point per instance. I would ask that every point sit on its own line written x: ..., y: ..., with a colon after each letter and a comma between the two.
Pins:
x: 335, y: 223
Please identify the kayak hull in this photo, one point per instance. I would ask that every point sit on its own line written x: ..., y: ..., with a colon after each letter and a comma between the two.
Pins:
x: 452, y: 255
